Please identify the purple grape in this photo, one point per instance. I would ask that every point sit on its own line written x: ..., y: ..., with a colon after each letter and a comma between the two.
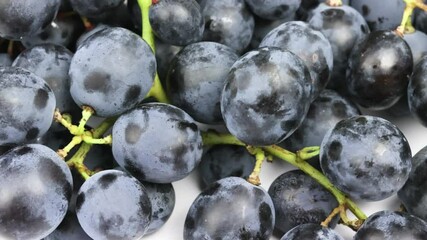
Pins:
x: 273, y: 9
x: 310, y: 231
x: 417, y: 97
x: 94, y: 7
x: 380, y: 14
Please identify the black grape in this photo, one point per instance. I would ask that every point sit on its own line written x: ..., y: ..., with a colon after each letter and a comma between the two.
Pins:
x: 223, y: 161
x: 21, y: 18
x: 228, y: 22
x: 417, y: 97
x: 196, y: 77
x: 112, y: 71
x: 164, y: 55
x: 266, y: 96
x: 299, y: 199
x: 69, y: 229
x: 26, y: 106
x: 273, y: 9
x: 231, y: 208
x: 94, y: 7
x: 310, y: 231
x: 263, y: 27
x: 308, y: 44
x: 35, y: 191
x: 5, y: 60
x: 379, y: 70
x: 417, y: 42
x: 157, y: 142
x: 177, y: 22
x: 113, y: 205
x: 380, y: 14
x: 366, y: 157
x: 388, y: 225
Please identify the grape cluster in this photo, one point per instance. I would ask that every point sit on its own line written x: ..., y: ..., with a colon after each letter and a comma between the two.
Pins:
x: 213, y: 88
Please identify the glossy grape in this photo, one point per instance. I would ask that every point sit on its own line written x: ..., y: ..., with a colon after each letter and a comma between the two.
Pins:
x: 93, y: 7
x: 26, y: 106
x: 273, y: 9
x: 379, y: 70
x: 112, y: 71
x: 388, y: 225
x: 380, y: 14
x: 177, y: 22
x: 231, y: 208
x: 417, y: 42
x: 157, y: 143
x: 311, y: 231
x: 35, y: 190
x: 266, y: 96
x: 417, y: 97
x: 196, y: 77
x: 113, y: 205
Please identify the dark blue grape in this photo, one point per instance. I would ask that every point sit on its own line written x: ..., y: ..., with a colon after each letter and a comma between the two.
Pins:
x: 223, y: 161
x: 366, y: 157
x: 263, y: 27
x: 380, y: 14
x: 113, y: 205
x: 388, y: 225
x: 89, y: 33
x: 228, y: 22
x: 273, y: 9
x: 112, y: 71
x: 417, y: 97
x: 310, y: 231
x: 35, y: 190
x: 229, y: 209
x: 413, y: 194
x: 308, y: 44
x: 94, y: 7
x: 344, y: 27
x: 164, y: 55
x: 379, y: 70
x: 157, y: 143
x: 196, y: 77
x: 21, y: 18
x: 266, y: 96
x: 177, y: 22
x: 417, y: 42
x: 69, y: 229
x: 299, y: 199
x: 26, y: 106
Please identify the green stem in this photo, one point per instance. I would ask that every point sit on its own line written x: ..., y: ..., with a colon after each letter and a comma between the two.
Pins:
x: 334, y: 3
x: 308, y: 152
x: 87, y: 112
x: 259, y: 159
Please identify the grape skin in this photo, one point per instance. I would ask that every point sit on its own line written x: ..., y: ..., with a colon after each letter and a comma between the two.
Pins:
x: 94, y: 7
x: 310, y: 231
x: 26, y: 106
x: 380, y: 14
x: 229, y: 209
x: 112, y: 71
x: 366, y: 157
x: 69, y: 229
x: 417, y: 42
x: 113, y: 205
x: 266, y: 96
x: 35, y: 191
x: 417, y: 98
x: 273, y: 9
x: 157, y: 143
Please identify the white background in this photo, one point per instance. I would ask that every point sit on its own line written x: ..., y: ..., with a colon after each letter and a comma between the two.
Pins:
x: 187, y: 189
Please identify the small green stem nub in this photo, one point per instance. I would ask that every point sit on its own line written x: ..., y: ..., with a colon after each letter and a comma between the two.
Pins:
x: 259, y: 159
x: 308, y: 152
x: 334, y: 3
x: 406, y: 23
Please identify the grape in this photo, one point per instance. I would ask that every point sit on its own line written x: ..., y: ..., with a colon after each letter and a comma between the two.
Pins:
x: 157, y: 143
x: 196, y: 78
x: 266, y: 96
x: 328, y: 109
x: 308, y: 44
x: 273, y: 9
x: 344, y: 27
x: 69, y: 229
x: 93, y: 7
x: 162, y: 198
x: 35, y: 190
x: 20, y: 18
x: 366, y: 157
x: 51, y: 62
x: 263, y: 27
x: 388, y: 225
x: 164, y: 55
x: 379, y: 70
x: 380, y: 14
x: 299, y: 199
x: 89, y: 33
x: 311, y: 231
x: 228, y: 22
x: 229, y: 209
x: 26, y: 106
x: 417, y: 97
x: 112, y: 71
x: 412, y: 194
x: 417, y: 42
x: 177, y: 22
x: 304, y: 11
x: 420, y: 20
x: 5, y: 60
x: 113, y: 205
x: 223, y: 161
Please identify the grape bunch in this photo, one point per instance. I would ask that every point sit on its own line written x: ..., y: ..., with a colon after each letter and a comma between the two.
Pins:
x: 111, y: 110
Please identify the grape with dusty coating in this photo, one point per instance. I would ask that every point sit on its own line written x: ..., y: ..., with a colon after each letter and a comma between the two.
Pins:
x: 273, y: 9
x: 157, y: 143
x: 380, y: 14
x: 310, y: 231
x: 366, y: 157
x: 231, y: 208
x: 417, y: 97
x: 26, y: 106
x: 69, y: 229
x: 113, y: 205
x: 266, y: 96
x: 93, y: 8
x: 35, y: 190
